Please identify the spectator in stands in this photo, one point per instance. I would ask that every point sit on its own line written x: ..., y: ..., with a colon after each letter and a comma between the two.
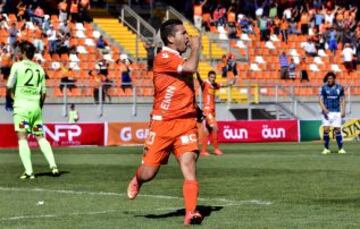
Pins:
x: 46, y: 23
x: 310, y: 48
x: 74, y: 59
x: 29, y: 13
x: 198, y: 12
x: 263, y: 26
x: 284, y: 66
x: 52, y: 36
x: 231, y: 15
x: 6, y: 62
x: 206, y: 20
x: 64, y: 29
x: 4, y: 22
x: 292, y: 69
x: 245, y: 24
x: 38, y: 15
x: 84, y: 7
x: 67, y: 80
x: 332, y: 42
x: 98, y: 79
x: 230, y: 66
x: 276, y: 24
x: 2, y: 4
x: 303, y: 71
x: 63, y: 14
x: 304, y: 23
x: 231, y: 30
x: 150, y: 51
x: 273, y: 12
x: 63, y: 45
x: 13, y: 34
x: 126, y: 81
x: 219, y: 15
x: 348, y: 54
x: 101, y: 43
x: 284, y: 30
x: 38, y: 40
x: 21, y: 8
x: 319, y: 18
x: 74, y: 10
x: 102, y: 66
x: 287, y: 14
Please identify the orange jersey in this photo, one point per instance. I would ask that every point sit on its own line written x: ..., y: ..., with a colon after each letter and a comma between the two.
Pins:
x: 174, y: 95
x: 6, y: 60
x: 208, y: 96
x: 197, y: 10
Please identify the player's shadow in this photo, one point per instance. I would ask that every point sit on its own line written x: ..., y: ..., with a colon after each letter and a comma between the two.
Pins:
x: 205, y: 211
x: 49, y: 174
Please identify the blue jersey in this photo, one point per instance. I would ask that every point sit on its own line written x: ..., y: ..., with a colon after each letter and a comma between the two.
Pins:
x: 332, y: 96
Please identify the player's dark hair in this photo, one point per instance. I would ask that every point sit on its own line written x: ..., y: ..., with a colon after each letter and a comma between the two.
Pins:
x: 329, y: 74
x: 168, y: 28
x: 28, y: 49
x: 211, y: 73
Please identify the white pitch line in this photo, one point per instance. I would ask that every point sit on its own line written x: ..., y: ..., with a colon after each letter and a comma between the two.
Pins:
x: 231, y: 202
x: 24, y: 217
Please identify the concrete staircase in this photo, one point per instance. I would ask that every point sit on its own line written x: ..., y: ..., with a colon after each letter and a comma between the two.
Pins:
x: 121, y: 34
x: 216, y: 51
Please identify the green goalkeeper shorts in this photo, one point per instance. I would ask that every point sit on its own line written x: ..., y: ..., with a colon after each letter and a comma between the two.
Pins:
x: 28, y: 119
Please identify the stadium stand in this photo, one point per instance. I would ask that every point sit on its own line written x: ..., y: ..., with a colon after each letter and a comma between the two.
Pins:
x: 260, y: 37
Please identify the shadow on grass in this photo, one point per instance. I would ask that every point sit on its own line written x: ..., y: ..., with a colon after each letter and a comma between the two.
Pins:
x: 205, y: 211
x: 49, y: 174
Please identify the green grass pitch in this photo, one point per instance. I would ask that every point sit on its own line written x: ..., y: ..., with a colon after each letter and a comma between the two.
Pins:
x: 251, y: 186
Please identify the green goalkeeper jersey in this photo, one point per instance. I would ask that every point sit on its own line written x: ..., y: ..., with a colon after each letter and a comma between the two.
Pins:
x: 27, y: 79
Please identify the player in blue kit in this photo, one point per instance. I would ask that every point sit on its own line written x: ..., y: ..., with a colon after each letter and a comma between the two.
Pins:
x: 332, y: 103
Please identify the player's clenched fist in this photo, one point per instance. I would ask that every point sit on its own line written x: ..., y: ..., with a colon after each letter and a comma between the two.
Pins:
x: 195, y: 42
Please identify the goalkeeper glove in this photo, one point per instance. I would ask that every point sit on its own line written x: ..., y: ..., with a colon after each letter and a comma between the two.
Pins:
x: 9, y: 104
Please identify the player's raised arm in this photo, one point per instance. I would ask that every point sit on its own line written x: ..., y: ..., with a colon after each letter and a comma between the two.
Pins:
x: 201, y: 82
x: 191, y: 64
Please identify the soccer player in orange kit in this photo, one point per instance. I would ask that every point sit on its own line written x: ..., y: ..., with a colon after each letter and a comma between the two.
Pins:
x: 173, y: 126
x: 209, y: 88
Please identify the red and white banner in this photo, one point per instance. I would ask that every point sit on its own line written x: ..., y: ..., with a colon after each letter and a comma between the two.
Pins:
x: 78, y: 134
x: 258, y: 131
x: 59, y: 134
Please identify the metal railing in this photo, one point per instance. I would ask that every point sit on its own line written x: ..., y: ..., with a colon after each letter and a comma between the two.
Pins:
x: 143, y: 30
x: 288, y: 100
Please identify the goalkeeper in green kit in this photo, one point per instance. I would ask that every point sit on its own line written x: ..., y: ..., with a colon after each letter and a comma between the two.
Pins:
x: 26, y: 92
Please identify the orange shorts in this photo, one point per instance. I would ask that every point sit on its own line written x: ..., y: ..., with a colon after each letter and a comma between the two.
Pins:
x: 178, y: 136
x: 210, y: 120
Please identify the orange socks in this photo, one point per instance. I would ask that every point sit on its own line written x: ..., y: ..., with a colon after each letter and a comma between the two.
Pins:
x: 214, y: 139
x: 205, y: 140
x: 190, y: 192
